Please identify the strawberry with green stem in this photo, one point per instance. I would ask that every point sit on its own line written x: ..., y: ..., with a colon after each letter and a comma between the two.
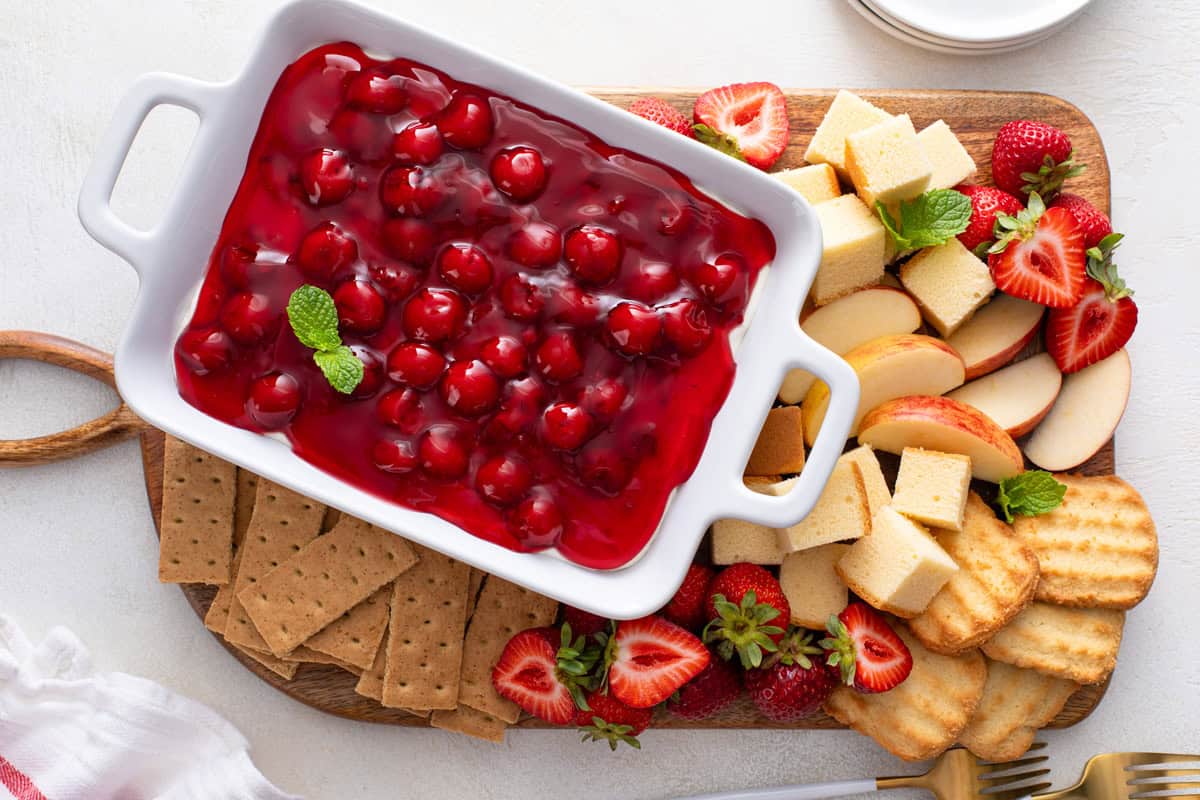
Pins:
x: 748, y: 613
x: 1030, y: 156
x: 547, y: 672
x: 867, y: 652
x: 1103, y: 320
x: 792, y: 683
x: 607, y: 719
x: 1039, y: 256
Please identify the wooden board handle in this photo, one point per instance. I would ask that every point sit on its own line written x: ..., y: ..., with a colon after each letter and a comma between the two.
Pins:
x: 115, y: 426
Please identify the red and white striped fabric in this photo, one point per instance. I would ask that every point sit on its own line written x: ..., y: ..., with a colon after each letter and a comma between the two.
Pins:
x: 69, y: 733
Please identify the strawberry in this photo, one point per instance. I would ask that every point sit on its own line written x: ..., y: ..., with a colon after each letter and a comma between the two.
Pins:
x: 608, y: 719
x: 870, y: 655
x: 545, y: 673
x: 746, y: 120
x: 717, y: 685
x: 986, y: 203
x: 661, y: 112
x: 686, y: 608
x: 583, y: 623
x: 790, y: 686
x: 748, y: 613
x: 1092, y: 221
x: 649, y: 658
x: 1030, y: 156
x: 1101, y: 323
x: 1039, y: 255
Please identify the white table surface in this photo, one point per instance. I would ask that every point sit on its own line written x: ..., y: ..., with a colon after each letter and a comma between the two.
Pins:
x: 79, y: 546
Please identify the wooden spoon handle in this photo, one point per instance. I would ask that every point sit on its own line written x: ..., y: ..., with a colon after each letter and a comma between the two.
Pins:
x: 115, y: 426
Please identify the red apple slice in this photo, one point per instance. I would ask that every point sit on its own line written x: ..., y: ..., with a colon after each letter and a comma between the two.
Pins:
x: 887, y: 367
x: 849, y: 322
x: 1085, y: 415
x: 1017, y: 396
x: 939, y: 423
x: 996, y: 333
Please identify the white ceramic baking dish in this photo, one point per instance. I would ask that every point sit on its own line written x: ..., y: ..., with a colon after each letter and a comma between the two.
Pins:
x: 171, y: 259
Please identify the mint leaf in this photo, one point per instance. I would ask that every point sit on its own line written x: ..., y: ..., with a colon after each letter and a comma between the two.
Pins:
x: 718, y: 141
x: 314, y: 318
x: 934, y: 218
x: 342, y: 368
x: 1029, y: 494
x: 893, y: 227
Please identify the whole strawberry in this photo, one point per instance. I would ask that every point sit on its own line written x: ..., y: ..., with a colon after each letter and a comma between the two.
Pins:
x: 1092, y: 221
x: 870, y: 656
x: 583, y: 623
x: 1099, y: 324
x: 687, y: 606
x: 748, y: 613
x: 661, y: 112
x: 1030, y: 156
x: 607, y: 719
x: 791, y: 686
x: 986, y: 203
x: 718, y: 685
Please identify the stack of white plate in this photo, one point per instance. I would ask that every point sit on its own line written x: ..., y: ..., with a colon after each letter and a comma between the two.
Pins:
x: 970, y: 27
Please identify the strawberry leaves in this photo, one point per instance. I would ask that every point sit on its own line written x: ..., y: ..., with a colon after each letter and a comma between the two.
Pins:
x: 1009, y: 228
x: 721, y: 142
x: 1101, y: 268
x: 934, y: 218
x: 743, y: 628
x: 1050, y: 176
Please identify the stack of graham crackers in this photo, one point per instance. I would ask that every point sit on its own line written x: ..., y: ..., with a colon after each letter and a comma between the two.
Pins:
x: 300, y: 583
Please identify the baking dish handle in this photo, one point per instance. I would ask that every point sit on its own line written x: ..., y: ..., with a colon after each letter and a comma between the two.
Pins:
x: 95, y: 209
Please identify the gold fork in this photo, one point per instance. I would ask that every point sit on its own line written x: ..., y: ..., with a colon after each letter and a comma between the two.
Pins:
x: 1134, y: 776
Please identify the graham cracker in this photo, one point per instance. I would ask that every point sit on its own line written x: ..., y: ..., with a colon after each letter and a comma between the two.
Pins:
x: 305, y: 655
x: 196, y: 534
x: 474, y: 583
x: 467, y: 720
x: 282, y: 523
x: 332, y: 517
x: 370, y: 682
x: 217, y: 616
x: 503, y: 610
x: 327, y: 577
x: 357, y: 635
x: 425, y: 635
x: 284, y: 669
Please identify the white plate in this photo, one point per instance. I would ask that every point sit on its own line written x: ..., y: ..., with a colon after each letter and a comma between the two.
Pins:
x: 171, y: 260
x: 980, y: 21
x: 982, y: 46
x: 954, y: 49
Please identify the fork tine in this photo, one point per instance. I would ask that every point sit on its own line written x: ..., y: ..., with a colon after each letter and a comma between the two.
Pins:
x: 1191, y: 789
x: 1004, y: 766
x: 1165, y: 776
x: 1003, y: 780
x: 1017, y: 793
x: 1150, y: 760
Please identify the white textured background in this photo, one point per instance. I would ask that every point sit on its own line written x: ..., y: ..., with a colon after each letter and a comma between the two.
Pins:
x: 78, y: 543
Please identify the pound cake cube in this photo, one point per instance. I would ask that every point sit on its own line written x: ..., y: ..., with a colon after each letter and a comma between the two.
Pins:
x: 886, y: 162
x: 878, y: 494
x: 735, y: 540
x: 816, y: 183
x: 951, y: 162
x: 847, y: 114
x: 812, y: 586
x: 780, y: 446
x: 932, y: 487
x: 841, y: 511
x: 948, y: 283
x: 898, y: 568
x: 854, y: 248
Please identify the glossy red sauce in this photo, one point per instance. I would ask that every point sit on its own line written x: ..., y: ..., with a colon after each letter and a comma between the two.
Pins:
x: 571, y: 429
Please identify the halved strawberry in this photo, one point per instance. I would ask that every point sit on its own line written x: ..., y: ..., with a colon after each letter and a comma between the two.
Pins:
x: 747, y: 120
x: 863, y: 646
x: 607, y: 719
x: 545, y: 673
x: 650, y: 658
x: 1039, y: 255
x: 1101, y: 323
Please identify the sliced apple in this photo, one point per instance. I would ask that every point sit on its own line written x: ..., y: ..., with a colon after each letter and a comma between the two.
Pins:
x: 939, y: 423
x: 848, y: 322
x: 887, y: 367
x: 997, y: 332
x: 1085, y: 415
x: 1017, y: 396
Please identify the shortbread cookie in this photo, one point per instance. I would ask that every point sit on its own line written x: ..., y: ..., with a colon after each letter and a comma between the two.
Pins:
x: 1076, y: 644
x: 1016, y: 704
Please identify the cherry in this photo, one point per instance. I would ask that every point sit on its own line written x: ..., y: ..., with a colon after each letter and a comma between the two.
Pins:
x: 381, y: 94
x: 360, y: 306
x: 673, y: 217
x: 576, y: 307
x: 400, y: 408
x: 653, y: 280
x: 566, y: 426
x: 537, y: 244
x: 324, y: 250
x: 505, y: 355
x: 522, y: 400
x: 536, y: 522
x: 411, y: 191
x: 397, y: 281
x: 409, y: 239
x: 466, y: 122
x: 326, y: 177
x: 520, y: 298
x: 470, y: 388
x: 503, y: 480
x: 633, y: 328
x: 558, y: 357
x: 519, y: 172
x: 360, y: 134
x: 686, y: 325
x: 434, y: 315
x: 417, y: 365
x: 372, y: 372
x: 465, y: 267
x: 593, y: 253
x: 419, y: 143
x: 249, y: 317
x: 238, y: 265
x: 273, y: 400
x: 441, y: 453
x: 603, y: 468
x: 205, y: 350
x: 604, y: 398
x: 714, y: 278
x: 394, y: 455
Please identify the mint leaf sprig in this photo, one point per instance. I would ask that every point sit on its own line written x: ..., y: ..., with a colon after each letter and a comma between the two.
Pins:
x: 314, y: 320
x: 931, y: 219
x: 1029, y: 494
